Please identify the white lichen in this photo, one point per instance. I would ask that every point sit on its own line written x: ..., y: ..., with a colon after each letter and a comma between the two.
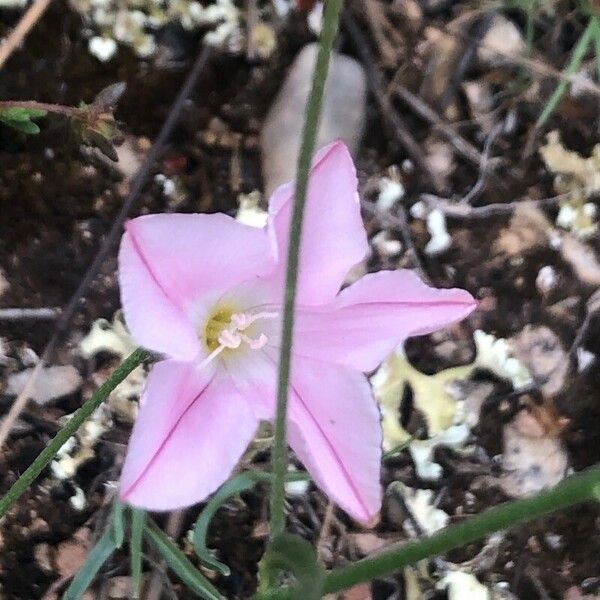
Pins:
x: 135, y: 23
x: 440, y: 238
x: 102, y: 48
x: 249, y: 211
x: 391, y: 191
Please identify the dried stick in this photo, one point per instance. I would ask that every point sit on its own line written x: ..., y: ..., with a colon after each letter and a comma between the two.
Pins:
x: 377, y: 87
x: 18, y: 34
x: 16, y: 314
x: 462, y: 146
x: 136, y: 188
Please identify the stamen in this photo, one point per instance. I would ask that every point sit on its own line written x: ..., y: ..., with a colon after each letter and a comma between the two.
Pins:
x: 230, y: 338
x: 257, y: 344
x: 224, y: 331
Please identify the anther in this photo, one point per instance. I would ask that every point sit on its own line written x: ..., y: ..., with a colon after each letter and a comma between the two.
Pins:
x: 257, y: 344
x: 229, y: 339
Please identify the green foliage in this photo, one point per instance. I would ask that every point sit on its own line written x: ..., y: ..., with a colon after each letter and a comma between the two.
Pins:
x: 588, y: 40
x: 95, y: 123
x: 138, y: 520
x: 179, y: 563
x: 590, y: 35
x: 22, y: 119
x: 240, y: 483
x: 118, y: 523
x: 97, y: 557
x: 292, y: 554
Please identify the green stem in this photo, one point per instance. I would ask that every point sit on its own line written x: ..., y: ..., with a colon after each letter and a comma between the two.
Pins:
x: 59, y: 109
x: 578, y: 488
x: 138, y: 520
x: 309, y: 135
x: 50, y: 451
x: 578, y: 53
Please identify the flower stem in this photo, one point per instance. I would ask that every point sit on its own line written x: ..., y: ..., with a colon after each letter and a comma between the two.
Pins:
x: 50, y: 451
x: 59, y: 109
x: 575, y: 489
x: 331, y: 18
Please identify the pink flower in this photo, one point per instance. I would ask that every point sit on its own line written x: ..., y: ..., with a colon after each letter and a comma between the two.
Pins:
x: 206, y: 292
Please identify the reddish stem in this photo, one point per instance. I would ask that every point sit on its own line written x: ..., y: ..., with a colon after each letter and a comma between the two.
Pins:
x: 68, y: 111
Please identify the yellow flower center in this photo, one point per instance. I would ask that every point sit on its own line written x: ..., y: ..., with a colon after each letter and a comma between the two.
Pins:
x: 216, y: 323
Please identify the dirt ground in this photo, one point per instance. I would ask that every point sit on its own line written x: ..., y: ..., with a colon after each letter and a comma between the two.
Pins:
x: 57, y: 203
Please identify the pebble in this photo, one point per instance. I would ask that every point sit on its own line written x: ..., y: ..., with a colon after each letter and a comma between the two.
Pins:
x: 343, y: 115
x: 52, y: 383
x: 502, y: 41
x: 546, y: 279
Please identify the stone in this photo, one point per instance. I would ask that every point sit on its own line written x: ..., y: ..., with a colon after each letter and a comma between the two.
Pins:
x: 343, y: 116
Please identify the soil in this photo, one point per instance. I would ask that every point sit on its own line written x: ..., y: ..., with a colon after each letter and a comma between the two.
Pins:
x: 57, y: 203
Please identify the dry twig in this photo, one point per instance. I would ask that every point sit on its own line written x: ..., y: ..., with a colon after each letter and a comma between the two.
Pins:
x: 18, y: 34
x: 389, y: 115
x: 17, y: 314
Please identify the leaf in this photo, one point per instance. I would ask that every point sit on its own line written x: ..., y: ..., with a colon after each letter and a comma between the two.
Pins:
x: 295, y: 555
x: 21, y: 118
x: 118, y: 524
x: 239, y: 483
x: 581, y: 47
x: 180, y: 564
x: 95, y: 123
x: 20, y: 113
x: 138, y: 519
x: 108, y: 97
x: 96, y: 558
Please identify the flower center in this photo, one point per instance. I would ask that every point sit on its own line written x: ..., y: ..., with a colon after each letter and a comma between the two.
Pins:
x: 216, y: 323
x: 228, y: 329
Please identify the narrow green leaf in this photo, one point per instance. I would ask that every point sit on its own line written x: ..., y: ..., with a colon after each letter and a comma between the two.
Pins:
x: 295, y: 555
x: 597, y: 44
x: 180, y: 564
x: 239, y: 483
x: 138, y: 519
x: 118, y: 523
x: 96, y: 558
x: 578, y: 53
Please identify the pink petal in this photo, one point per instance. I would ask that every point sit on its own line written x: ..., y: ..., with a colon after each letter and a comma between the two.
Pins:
x: 254, y: 375
x: 192, y: 429
x: 168, y: 264
x: 334, y: 429
x: 333, y: 235
x: 371, y: 317
x: 155, y: 321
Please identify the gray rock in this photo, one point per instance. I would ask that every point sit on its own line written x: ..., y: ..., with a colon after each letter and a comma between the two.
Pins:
x: 343, y: 115
x: 52, y: 383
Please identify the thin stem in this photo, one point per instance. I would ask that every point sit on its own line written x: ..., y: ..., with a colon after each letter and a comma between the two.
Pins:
x: 575, y: 489
x: 50, y: 451
x: 59, y: 109
x: 138, y: 520
x: 331, y: 19
x: 577, y: 57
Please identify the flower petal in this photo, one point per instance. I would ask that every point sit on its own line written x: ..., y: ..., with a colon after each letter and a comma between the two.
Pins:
x: 156, y: 322
x: 371, y: 317
x: 169, y: 263
x: 334, y: 428
x: 254, y: 375
x: 333, y: 235
x: 192, y: 429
